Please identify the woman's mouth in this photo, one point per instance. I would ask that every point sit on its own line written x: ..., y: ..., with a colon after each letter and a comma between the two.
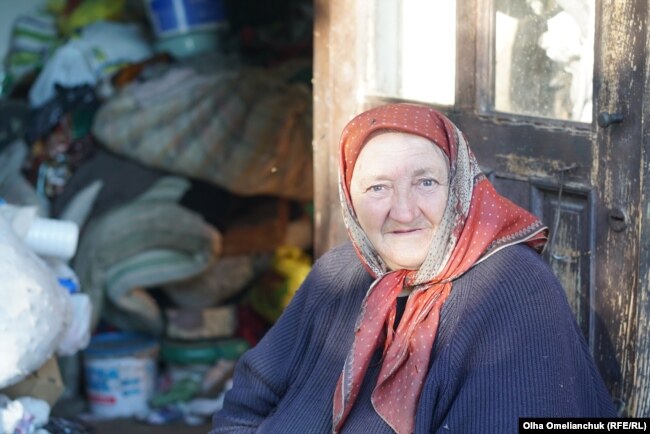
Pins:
x: 404, y: 231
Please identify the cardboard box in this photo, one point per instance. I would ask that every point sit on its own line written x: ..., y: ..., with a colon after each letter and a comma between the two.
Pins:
x: 209, y: 323
x: 45, y: 383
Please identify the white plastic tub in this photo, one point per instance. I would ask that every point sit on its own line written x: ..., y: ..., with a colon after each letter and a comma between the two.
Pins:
x: 120, y: 373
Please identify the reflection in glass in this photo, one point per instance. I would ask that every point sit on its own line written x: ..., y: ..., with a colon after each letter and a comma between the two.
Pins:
x: 544, y: 58
x: 414, y: 52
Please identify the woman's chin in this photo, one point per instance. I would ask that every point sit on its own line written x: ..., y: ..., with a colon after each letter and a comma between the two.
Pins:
x: 404, y: 262
x: 407, y: 252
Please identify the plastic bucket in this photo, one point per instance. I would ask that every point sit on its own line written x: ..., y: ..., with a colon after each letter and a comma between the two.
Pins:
x: 172, y: 17
x: 120, y: 373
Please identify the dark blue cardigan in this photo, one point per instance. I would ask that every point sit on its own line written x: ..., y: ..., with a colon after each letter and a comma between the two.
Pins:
x: 507, y: 346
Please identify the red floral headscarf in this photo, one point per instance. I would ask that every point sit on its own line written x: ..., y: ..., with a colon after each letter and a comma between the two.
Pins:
x: 476, y: 223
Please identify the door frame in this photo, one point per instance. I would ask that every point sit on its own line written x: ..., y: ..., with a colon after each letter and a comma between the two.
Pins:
x: 622, y: 83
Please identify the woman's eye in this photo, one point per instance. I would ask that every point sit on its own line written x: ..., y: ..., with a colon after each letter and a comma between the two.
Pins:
x: 377, y: 187
x: 428, y: 182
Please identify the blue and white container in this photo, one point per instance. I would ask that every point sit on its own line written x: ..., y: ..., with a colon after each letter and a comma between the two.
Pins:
x: 120, y: 373
x: 171, y: 17
x: 187, y: 27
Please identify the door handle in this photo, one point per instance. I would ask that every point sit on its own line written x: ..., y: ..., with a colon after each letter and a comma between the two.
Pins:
x: 606, y: 119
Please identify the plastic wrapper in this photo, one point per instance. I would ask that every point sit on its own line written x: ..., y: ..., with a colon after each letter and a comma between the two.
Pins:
x: 101, y: 49
x: 35, y: 312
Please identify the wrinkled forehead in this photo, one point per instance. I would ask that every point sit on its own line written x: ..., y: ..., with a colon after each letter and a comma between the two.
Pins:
x: 394, y: 145
x: 406, y: 118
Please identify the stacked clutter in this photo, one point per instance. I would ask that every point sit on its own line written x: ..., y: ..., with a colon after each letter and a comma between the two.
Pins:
x: 44, y: 314
x: 213, y: 318
x: 184, y: 176
x: 197, y: 370
x: 200, y: 346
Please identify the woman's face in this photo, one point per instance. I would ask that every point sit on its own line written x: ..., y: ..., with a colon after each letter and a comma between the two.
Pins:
x: 399, y: 191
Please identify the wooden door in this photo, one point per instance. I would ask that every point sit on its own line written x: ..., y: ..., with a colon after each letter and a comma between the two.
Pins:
x: 580, y: 168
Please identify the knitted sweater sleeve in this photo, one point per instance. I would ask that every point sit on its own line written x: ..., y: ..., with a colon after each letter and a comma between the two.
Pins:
x: 262, y: 374
x: 265, y: 373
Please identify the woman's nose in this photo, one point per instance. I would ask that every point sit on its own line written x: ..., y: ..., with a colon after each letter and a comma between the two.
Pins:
x: 404, y: 206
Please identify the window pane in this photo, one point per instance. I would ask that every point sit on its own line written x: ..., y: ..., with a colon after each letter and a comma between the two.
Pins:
x: 544, y: 58
x: 414, y: 56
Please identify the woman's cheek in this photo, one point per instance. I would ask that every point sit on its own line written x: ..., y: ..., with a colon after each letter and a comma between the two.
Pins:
x: 371, y: 212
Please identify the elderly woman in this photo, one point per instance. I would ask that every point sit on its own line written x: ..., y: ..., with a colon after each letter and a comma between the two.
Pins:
x: 439, y: 316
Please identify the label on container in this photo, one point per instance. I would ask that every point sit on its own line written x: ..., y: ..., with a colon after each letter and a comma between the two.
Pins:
x: 119, y: 387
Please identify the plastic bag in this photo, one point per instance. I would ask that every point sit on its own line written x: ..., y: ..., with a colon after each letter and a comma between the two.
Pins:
x: 274, y: 290
x: 35, y: 311
x: 85, y: 12
x: 102, y: 48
